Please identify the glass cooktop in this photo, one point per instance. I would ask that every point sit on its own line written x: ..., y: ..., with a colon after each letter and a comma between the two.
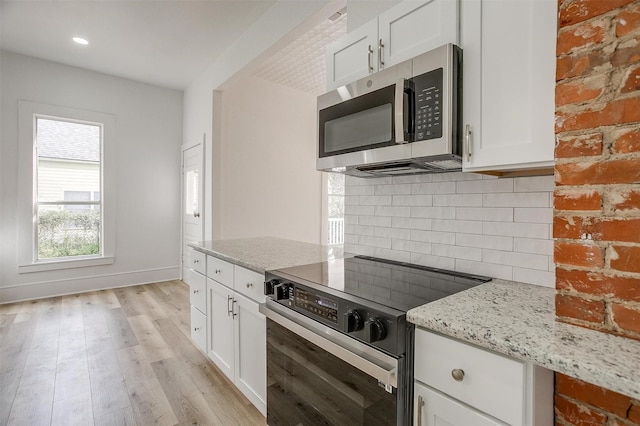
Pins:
x: 398, y: 285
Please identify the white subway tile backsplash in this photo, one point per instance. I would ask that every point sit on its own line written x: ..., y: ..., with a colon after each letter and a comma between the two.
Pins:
x: 458, y: 226
x: 413, y: 200
x: 494, y: 214
x: 458, y: 200
x: 533, y: 215
x: 434, y: 188
x: 403, y: 234
x: 434, y: 212
x: 531, y: 199
x: 398, y: 189
x: 535, y: 246
x: 411, y: 223
x: 486, y: 269
x: 433, y: 237
x: 397, y: 211
x: 411, y: 246
x: 457, y: 252
x: 499, y: 227
x: 375, y: 200
x: 433, y: 261
x: 508, y: 229
x: 534, y: 184
x: 485, y: 241
x: 484, y: 186
x: 512, y: 258
x: 366, y: 240
x: 531, y: 276
x: 374, y: 221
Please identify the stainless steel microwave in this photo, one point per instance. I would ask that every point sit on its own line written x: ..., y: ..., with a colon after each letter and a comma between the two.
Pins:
x: 402, y: 120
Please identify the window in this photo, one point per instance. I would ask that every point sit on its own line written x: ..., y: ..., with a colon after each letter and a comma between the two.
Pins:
x: 335, y: 203
x: 63, y: 154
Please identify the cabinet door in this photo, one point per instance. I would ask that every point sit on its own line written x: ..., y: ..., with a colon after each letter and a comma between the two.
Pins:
x: 353, y: 56
x: 221, y: 321
x: 509, y: 83
x: 431, y: 408
x: 250, y: 351
x: 415, y: 27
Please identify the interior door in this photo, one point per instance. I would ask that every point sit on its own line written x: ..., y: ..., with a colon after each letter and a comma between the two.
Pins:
x: 192, y: 202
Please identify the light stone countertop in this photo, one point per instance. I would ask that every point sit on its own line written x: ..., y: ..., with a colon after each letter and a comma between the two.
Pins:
x: 518, y: 320
x: 266, y: 253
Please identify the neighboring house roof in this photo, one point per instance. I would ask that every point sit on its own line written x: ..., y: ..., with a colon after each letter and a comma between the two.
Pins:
x: 68, y: 141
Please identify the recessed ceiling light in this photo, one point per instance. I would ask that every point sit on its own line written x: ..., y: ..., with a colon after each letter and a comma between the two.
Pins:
x: 80, y: 40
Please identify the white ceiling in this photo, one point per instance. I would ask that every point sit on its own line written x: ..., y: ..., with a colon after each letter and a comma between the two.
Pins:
x: 167, y: 43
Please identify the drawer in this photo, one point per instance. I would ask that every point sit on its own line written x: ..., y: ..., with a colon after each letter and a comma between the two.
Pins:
x: 198, y: 291
x: 492, y: 383
x: 199, y: 329
x: 219, y: 270
x: 198, y: 261
x: 249, y: 283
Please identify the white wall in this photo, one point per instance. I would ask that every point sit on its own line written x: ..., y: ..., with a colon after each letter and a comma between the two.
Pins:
x: 269, y: 185
x: 277, y: 27
x: 464, y: 222
x: 149, y: 134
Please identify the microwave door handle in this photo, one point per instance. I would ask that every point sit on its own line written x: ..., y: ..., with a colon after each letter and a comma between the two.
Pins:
x: 399, y: 111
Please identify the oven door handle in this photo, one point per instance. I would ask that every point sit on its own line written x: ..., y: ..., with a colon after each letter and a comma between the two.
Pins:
x: 376, y: 364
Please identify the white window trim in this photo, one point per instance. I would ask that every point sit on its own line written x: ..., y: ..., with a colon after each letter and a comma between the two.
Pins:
x: 26, y: 216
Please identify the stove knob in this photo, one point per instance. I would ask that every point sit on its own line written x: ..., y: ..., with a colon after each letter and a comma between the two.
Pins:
x: 269, y: 285
x: 281, y: 291
x: 374, y: 330
x: 353, y: 320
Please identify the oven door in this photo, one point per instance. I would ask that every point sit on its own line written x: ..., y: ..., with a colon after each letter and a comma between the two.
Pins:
x: 318, y: 376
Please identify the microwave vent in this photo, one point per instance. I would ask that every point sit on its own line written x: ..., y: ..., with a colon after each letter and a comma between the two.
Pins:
x: 443, y: 165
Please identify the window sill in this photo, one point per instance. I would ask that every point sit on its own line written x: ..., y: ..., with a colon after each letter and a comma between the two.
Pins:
x: 64, y: 264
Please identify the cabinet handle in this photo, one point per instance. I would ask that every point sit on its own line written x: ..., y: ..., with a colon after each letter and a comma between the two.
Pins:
x: 196, y: 329
x: 249, y: 285
x: 381, y: 54
x: 420, y: 405
x: 457, y: 374
x: 196, y: 261
x: 229, y: 307
x: 217, y: 271
x: 233, y: 310
x: 467, y: 138
x: 195, y: 292
x: 370, y: 59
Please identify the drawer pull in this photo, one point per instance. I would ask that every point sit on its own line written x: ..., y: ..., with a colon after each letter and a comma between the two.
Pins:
x: 217, y: 271
x: 249, y: 285
x: 196, y: 261
x: 196, y: 329
x: 457, y: 374
x: 196, y: 291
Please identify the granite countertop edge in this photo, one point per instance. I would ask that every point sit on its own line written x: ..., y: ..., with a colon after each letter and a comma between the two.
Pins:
x: 518, y: 320
x: 261, y: 254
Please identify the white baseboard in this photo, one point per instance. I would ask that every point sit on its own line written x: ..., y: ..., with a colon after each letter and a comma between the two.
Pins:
x: 39, y: 290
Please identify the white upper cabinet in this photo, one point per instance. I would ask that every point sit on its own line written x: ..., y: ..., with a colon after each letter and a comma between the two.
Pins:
x: 353, y: 56
x: 415, y: 27
x: 404, y: 31
x: 508, y: 83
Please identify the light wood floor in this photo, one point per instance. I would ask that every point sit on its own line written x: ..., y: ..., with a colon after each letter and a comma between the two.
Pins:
x: 112, y: 357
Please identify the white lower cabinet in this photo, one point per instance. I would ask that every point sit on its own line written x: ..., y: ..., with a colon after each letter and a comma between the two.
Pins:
x: 461, y: 384
x: 432, y: 408
x: 237, y: 333
x: 194, y: 277
x: 198, y: 328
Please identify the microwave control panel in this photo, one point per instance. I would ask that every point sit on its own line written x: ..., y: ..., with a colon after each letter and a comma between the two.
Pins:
x: 428, y: 105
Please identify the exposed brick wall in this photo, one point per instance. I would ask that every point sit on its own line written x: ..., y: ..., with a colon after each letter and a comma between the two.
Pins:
x: 597, y: 195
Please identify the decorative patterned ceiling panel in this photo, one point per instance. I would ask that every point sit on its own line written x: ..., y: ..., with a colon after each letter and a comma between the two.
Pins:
x: 302, y: 64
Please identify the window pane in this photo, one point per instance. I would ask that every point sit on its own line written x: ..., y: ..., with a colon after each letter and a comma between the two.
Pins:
x: 191, y: 192
x: 335, y: 203
x: 77, y: 196
x: 63, y: 232
x: 68, y: 158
